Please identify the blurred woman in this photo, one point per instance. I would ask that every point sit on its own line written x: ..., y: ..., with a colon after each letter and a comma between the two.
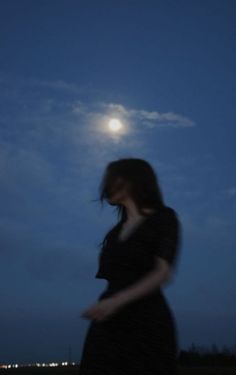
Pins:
x: 132, y: 328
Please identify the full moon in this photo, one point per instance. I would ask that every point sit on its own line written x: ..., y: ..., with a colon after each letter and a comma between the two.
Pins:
x: 115, y: 124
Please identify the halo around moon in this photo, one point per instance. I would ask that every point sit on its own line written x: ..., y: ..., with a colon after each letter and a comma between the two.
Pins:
x: 115, y: 125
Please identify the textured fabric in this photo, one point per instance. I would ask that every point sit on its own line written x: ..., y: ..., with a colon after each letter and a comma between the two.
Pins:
x: 141, y: 337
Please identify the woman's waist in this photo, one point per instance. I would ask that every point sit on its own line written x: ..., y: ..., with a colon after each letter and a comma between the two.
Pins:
x: 152, y: 304
x: 114, y: 287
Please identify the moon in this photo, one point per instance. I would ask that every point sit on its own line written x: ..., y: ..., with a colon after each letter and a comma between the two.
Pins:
x: 115, y: 125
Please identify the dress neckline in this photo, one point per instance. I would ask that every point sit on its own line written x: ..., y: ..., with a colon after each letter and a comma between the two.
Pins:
x: 136, y: 229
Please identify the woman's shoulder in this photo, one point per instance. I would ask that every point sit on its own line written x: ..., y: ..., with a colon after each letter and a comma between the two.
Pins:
x: 164, y: 225
x: 170, y: 213
x: 166, y: 216
x: 165, y: 212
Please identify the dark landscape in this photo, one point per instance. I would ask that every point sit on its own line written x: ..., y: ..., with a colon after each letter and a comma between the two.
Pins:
x: 196, y: 361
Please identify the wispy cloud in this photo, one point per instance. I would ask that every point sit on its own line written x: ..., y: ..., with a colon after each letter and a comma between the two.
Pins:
x: 80, y: 100
x: 50, y: 140
x: 58, y: 85
x: 149, y: 119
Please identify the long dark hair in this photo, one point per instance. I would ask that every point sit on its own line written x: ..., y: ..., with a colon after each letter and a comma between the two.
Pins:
x: 145, y: 189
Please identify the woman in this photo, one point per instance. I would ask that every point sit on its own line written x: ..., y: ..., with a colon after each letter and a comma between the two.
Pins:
x: 133, y: 329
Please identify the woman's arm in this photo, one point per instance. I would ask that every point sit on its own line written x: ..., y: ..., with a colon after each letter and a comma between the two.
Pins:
x: 151, y: 281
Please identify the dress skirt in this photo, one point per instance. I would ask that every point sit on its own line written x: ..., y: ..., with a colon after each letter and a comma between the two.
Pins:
x: 140, y: 339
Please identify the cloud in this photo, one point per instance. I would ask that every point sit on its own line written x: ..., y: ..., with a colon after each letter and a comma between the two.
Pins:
x: 59, y: 85
x: 52, y: 146
x: 31, y: 82
x: 150, y: 119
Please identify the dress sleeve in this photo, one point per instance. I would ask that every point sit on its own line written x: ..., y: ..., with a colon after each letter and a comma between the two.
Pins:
x: 167, y: 237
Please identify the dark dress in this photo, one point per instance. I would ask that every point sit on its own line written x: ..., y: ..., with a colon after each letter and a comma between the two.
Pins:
x: 141, y: 337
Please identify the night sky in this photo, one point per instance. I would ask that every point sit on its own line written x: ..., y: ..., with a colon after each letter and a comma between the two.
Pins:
x: 166, y: 70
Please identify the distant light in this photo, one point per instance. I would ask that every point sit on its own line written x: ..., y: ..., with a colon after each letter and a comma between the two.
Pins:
x: 51, y: 364
x: 115, y: 124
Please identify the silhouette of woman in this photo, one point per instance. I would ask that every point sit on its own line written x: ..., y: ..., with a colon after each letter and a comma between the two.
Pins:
x: 133, y: 329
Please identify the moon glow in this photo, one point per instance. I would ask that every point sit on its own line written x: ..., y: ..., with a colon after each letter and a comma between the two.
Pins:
x: 115, y: 125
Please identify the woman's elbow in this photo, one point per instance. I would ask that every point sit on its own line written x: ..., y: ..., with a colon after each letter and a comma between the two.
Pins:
x: 164, y: 269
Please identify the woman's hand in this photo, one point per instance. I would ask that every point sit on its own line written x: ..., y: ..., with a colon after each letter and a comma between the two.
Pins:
x: 103, y: 309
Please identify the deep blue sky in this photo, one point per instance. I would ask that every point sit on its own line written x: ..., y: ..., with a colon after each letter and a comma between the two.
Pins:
x: 167, y: 69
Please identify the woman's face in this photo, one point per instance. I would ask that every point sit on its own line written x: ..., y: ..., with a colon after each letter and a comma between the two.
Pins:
x: 118, y: 192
